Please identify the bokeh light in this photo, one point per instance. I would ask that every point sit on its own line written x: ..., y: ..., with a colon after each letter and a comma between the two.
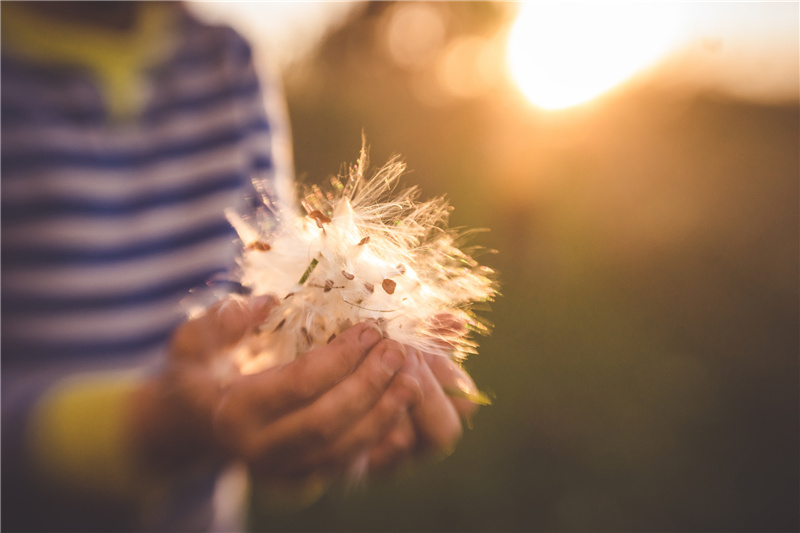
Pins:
x: 415, y: 33
x: 468, y: 68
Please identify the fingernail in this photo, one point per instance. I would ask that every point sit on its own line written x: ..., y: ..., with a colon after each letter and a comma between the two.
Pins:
x: 370, y: 336
x: 412, y: 360
x: 392, y: 360
x: 411, y: 391
x: 259, y: 303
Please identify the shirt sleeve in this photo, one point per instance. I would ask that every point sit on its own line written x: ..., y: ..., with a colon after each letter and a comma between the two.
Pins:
x: 78, y: 437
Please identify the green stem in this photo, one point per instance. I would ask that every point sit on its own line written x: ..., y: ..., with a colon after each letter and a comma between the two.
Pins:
x: 309, y: 270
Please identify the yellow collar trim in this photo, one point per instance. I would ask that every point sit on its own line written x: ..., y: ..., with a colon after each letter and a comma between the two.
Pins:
x: 118, y: 59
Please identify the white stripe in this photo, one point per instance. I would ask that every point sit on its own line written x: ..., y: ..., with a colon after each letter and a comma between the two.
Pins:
x: 127, y: 137
x: 100, y: 280
x: 260, y: 142
x: 189, y: 83
x: 120, y: 185
x: 89, y: 232
x: 94, y: 326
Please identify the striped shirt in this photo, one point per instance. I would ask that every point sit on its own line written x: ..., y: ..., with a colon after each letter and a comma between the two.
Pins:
x: 110, y: 219
x: 107, y: 225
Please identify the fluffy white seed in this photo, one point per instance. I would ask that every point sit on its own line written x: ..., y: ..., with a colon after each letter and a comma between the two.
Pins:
x: 361, y: 234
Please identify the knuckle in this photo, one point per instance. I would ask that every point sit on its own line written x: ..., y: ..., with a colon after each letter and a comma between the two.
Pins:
x: 321, y: 433
x: 340, y: 362
x: 337, y: 359
x: 401, y: 440
x: 303, y: 390
x: 409, y: 389
x: 347, y: 341
x: 386, y: 415
x: 374, y: 383
x: 298, y: 385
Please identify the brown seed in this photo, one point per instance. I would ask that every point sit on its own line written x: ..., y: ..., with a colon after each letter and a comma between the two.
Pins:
x: 319, y: 217
x: 369, y: 286
x: 330, y: 339
x: 288, y: 296
x: 348, y: 275
x: 307, y: 336
x: 328, y: 285
x: 363, y: 241
x: 259, y: 246
x: 389, y: 286
x: 280, y: 325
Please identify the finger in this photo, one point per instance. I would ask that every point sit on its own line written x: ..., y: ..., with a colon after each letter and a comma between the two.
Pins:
x: 303, y: 380
x: 253, y: 401
x: 448, y: 323
x: 219, y: 327
x: 436, y: 418
x: 365, y: 434
x: 395, y: 449
x: 456, y: 383
x: 299, y: 436
x: 233, y: 317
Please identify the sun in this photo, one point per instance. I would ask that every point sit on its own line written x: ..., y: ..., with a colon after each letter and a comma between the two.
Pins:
x: 564, y: 54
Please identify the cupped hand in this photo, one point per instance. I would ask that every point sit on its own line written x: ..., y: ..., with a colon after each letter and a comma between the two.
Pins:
x: 360, y: 396
x: 434, y: 425
x: 313, y: 415
x: 321, y: 411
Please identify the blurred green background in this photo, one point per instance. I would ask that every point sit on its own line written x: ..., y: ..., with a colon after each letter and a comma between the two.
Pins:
x: 645, y: 354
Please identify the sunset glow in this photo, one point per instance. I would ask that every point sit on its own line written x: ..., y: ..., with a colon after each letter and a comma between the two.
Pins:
x: 562, y: 55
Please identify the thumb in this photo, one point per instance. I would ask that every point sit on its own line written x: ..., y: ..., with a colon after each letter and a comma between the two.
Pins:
x: 228, y: 320
x: 221, y: 326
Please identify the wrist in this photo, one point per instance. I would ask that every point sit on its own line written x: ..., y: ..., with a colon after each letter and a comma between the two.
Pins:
x: 170, y: 423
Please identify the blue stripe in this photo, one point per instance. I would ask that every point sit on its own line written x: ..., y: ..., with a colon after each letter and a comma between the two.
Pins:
x: 120, y: 347
x: 262, y: 162
x: 18, y: 111
x: 54, y: 256
x: 227, y: 95
x: 16, y: 303
x: 228, y: 47
x: 50, y: 208
x: 44, y: 75
x: 129, y: 159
